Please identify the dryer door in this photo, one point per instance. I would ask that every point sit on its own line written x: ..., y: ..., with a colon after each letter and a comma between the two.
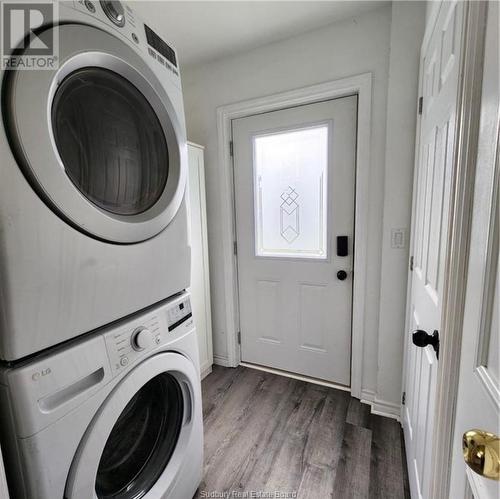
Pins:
x: 99, y: 138
x: 140, y: 437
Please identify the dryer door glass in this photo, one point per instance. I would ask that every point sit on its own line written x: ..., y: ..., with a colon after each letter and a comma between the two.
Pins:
x: 110, y: 141
x: 142, y: 440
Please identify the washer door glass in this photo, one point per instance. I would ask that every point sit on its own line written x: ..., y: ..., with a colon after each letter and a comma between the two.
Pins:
x: 110, y: 141
x: 142, y: 440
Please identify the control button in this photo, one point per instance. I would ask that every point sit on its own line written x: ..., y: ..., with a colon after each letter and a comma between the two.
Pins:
x: 158, y: 339
x: 90, y: 6
x: 114, y: 11
x: 134, y: 37
x: 124, y: 361
x: 142, y: 338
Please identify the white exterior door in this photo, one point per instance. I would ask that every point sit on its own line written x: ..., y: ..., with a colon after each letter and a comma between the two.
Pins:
x: 478, y: 401
x: 439, y: 78
x: 294, y: 195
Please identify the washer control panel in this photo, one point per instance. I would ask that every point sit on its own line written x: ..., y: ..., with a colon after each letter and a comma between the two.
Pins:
x: 127, y: 342
x: 179, y: 313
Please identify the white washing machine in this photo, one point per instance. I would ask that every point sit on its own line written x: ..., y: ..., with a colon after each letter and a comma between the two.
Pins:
x: 117, y: 415
x: 93, y: 167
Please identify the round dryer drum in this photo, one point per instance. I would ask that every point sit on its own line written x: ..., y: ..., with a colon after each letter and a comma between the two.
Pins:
x: 98, y: 137
x: 137, y: 442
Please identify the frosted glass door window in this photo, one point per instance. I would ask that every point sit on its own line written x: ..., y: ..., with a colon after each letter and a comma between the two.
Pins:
x: 290, y: 174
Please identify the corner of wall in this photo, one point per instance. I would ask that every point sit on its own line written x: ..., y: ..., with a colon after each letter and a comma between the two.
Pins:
x: 407, y: 27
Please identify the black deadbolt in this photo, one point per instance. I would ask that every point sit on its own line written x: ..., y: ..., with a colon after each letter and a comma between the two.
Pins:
x: 422, y: 338
x: 342, y: 246
x: 341, y: 275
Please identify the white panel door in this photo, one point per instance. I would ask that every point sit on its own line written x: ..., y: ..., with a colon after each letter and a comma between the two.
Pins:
x: 294, y: 172
x: 439, y: 74
x: 478, y: 401
x: 200, y: 282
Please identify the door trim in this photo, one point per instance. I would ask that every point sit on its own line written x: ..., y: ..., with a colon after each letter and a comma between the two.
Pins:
x: 361, y: 85
x: 457, y: 253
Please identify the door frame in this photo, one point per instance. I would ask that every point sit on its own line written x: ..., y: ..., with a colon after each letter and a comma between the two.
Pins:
x: 457, y: 252
x: 360, y: 85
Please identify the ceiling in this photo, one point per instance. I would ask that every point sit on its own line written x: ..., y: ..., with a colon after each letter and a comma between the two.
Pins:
x: 203, y: 31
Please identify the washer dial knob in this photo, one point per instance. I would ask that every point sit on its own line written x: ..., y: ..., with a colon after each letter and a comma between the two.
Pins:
x: 115, y: 11
x: 142, y: 338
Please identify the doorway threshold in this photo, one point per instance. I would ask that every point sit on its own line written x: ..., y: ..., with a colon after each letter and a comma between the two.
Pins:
x: 300, y: 377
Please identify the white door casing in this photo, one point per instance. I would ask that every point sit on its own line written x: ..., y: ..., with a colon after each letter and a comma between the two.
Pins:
x: 295, y: 314
x: 439, y: 86
x: 478, y: 399
x: 361, y: 85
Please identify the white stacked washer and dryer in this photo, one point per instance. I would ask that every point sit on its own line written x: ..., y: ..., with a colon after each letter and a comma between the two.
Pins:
x: 99, y: 378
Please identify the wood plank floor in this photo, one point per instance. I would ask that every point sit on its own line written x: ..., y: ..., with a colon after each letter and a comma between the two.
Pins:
x: 266, y: 433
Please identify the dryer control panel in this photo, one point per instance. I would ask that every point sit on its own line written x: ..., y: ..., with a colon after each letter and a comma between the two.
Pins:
x: 122, y: 18
x: 127, y: 343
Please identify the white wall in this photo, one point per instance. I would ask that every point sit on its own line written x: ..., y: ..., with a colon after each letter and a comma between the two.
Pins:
x: 407, y: 28
x: 343, y: 49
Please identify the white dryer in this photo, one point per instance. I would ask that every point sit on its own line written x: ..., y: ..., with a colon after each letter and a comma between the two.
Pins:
x: 117, y: 415
x: 93, y: 167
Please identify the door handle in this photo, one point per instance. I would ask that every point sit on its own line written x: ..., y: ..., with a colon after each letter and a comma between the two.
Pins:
x: 422, y: 338
x: 341, y: 275
x: 482, y: 453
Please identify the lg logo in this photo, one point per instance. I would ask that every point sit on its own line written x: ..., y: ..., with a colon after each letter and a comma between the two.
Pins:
x: 40, y: 374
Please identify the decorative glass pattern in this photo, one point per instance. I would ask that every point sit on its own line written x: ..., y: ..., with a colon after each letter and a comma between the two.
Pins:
x: 289, y: 216
x: 290, y: 174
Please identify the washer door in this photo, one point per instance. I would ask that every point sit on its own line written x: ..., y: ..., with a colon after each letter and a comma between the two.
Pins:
x: 99, y: 138
x: 137, y: 442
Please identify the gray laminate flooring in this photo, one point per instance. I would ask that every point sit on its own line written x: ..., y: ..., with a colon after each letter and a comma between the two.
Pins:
x: 266, y: 434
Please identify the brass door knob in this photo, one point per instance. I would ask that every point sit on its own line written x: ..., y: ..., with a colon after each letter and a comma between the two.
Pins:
x: 482, y: 453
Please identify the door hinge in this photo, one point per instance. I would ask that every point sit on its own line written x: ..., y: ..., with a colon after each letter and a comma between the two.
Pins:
x: 420, y: 104
x: 411, y: 263
x: 231, y: 148
x: 403, y: 398
x: 239, y: 337
x: 235, y: 247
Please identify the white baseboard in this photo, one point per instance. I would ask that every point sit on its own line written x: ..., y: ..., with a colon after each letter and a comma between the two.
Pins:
x: 367, y: 396
x: 222, y: 361
x: 381, y: 407
x: 388, y: 409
